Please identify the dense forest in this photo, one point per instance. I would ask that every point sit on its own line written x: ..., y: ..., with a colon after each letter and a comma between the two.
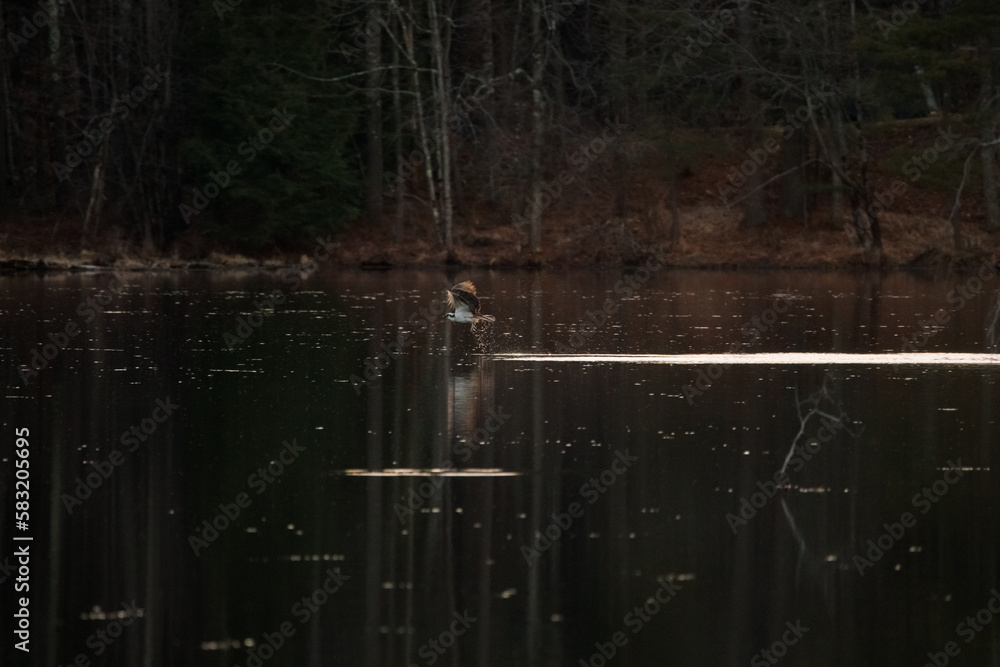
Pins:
x: 256, y: 124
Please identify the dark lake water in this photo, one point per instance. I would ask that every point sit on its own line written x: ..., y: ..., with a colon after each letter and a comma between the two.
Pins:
x: 629, y: 468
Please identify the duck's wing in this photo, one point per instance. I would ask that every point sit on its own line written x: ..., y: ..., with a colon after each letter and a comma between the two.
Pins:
x: 460, y: 297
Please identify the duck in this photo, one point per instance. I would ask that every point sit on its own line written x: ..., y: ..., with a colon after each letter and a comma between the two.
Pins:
x: 462, y: 298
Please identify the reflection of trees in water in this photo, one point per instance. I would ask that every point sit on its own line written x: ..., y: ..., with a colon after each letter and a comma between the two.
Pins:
x: 826, y: 407
x: 993, y: 325
x: 428, y: 548
x: 815, y: 566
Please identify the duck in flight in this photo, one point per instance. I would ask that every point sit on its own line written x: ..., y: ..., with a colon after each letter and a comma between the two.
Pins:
x: 462, y: 297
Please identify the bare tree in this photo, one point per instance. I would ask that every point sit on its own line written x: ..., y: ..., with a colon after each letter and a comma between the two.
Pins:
x: 754, y: 212
x: 988, y: 133
x: 373, y: 61
x: 442, y: 97
x: 538, y: 52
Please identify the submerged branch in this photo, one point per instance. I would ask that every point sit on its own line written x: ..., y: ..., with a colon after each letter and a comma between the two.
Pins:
x: 815, y: 405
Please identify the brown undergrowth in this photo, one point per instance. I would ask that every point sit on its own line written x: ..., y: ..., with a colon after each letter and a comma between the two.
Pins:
x: 580, y: 232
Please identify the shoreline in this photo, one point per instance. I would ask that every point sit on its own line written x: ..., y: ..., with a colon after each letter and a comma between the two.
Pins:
x: 710, y: 239
x: 40, y: 266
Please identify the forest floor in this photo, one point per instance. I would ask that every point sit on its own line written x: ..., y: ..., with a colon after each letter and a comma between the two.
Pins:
x: 579, y: 231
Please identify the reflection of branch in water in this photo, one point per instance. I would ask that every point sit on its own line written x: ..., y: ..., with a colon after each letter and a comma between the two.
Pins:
x: 796, y: 533
x: 828, y: 409
x: 813, y: 563
x: 993, y: 330
x: 821, y: 403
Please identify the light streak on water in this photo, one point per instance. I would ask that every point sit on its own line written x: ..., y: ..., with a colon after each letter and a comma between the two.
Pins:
x: 768, y: 359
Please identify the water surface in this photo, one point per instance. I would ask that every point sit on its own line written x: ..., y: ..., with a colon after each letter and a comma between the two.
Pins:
x: 603, y: 465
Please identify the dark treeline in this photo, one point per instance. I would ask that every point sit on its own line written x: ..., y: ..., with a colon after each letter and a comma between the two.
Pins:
x: 257, y: 123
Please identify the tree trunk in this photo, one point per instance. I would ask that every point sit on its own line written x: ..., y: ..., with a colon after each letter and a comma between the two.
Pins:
x: 838, y: 157
x: 620, y: 205
x: 418, y: 121
x: 675, y: 215
x: 793, y: 189
x: 537, y: 129
x: 870, y: 210
x: 373, y: 60
x: 865, y: 194
x: 441, y: 98
x: 59, y: 133
x: 489, y: 103
x: 397, y: 116
x: 987, y: 157
x: 620, y: 109
x: 754, y: 214
x: 4, y: 78
x: 837, y: 139
x: 987, y: 145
